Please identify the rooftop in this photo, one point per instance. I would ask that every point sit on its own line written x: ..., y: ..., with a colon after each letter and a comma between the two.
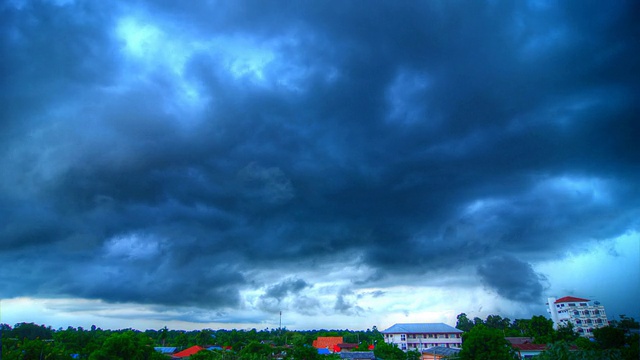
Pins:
x: 421, y: 328
x: 530, y: 347
x: 188, y: 352
x: 570, y: 299
x: 519, y: 340
x: 358, y: 355
x: 441, y: 350
x: 324, y: 342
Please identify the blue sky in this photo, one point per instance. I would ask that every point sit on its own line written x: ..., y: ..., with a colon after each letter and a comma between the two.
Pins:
x: 212, y: 164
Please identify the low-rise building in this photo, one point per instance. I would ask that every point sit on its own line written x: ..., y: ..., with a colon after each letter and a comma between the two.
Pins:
x: 421, y: 336
x: 328, y: 342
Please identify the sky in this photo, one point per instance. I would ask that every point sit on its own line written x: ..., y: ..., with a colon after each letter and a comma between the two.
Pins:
x: 212, y: 164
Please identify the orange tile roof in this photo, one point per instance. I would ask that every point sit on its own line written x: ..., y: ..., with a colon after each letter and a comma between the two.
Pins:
x: 187, y: 352
x: 327, y: 342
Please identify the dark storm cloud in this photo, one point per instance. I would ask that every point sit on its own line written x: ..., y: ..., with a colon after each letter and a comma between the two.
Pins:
x: 276, y: 138
x: 271, y: 300
x: 285, y: 288
x: 512, y: 278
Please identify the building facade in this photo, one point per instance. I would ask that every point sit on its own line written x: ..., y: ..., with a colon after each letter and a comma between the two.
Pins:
x: 423, y: 336
x: 581, y: 313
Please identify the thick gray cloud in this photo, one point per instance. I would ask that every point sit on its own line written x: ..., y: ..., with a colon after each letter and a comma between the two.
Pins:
x: 271, y: 300
x: 512, y: 278
x: 163, y: 154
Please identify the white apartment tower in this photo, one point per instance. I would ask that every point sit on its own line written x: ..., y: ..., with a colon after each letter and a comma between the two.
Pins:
x: 584, y: 316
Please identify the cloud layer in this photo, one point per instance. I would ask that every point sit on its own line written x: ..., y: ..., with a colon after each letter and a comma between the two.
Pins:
x: 190, y: 155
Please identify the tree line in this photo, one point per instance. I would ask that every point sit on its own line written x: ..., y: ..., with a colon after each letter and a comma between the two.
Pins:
x: 26, y: 341
x: 482, y: 339
x: 485, y: 339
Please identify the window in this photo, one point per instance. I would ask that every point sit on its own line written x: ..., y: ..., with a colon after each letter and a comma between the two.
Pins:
x: 583, y: 304
x: 403, y: 337
x: 596, y: 312
x: 404, y: 346
x: 578, y: 321
x: 576, y: 313
x: 424, y: 336
x: 572, y: 304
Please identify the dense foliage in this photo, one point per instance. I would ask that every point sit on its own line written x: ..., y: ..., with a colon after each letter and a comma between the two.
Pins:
x: 484, y: 343
x: 27, y: 341
x: 616, y: 341
x: 483, y: 339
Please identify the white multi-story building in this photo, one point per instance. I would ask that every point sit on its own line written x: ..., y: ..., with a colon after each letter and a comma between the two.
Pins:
x: 423, y: 336
x: 584, y: 316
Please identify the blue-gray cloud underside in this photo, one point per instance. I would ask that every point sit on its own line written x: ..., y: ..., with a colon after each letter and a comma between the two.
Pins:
x: 423, y: 137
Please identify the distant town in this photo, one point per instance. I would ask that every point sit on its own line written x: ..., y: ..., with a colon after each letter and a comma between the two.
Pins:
x: 576, y: 328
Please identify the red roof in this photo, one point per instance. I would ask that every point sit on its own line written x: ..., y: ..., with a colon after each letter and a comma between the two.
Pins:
x: 188, y: 352
x: 570, y: 299
x: 538, y: 347
x: 327, y: 342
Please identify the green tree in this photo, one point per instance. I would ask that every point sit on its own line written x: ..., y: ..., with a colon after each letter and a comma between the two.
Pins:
x: 204, y: 337
x: 162, y: 336
x: 35, y: 349
x: 609, y: 337
x: 565, y: 333
x: 631, y: 351
x: 482, y: 343
x: 541, y: 329
x: 305, y: 353
x: 625, y: 323
x: 413, y: 355
x: 255, y: 350
x: 477, y: 321
x: 557, y: 351
x: 463, y: 322
x: 207, y: 355
x: 497, y: 322
x: 388, y: 352
x: 181, y: 340
x: 31, y: 331
x: 126, y: 346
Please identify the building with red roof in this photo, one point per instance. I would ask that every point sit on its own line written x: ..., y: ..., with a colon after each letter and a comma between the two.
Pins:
x: 328, y: 342
x: 568, y: 299
x: 186, y: 353
x: 581, y: 313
